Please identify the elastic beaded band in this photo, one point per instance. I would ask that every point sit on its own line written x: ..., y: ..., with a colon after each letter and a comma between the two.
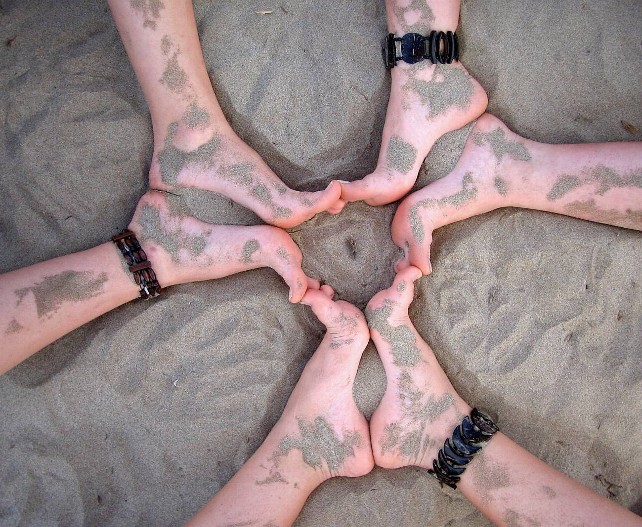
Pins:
x: 138, y: 264
x: 459, y: 450
x: 437, y: 47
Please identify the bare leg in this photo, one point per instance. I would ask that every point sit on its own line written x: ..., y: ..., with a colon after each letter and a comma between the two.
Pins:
x: 426, y: 101
x: 597, y: 182
x: 45, y: 301
x: 420, y: 410
x: 321, y: 433
x: 193, y: 144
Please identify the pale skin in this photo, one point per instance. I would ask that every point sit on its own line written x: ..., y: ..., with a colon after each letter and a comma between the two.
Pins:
x: 194, y: 146
x: 598, y: 182
x: 45, y: 301
x: 418, y: 412
x: 189, y: 117
x: 426, y: 101
x: 273, y: 485
x: 505, y: 482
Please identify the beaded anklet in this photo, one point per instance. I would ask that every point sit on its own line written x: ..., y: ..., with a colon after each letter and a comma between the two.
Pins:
x: 468, y: 438
x: 437, y: 47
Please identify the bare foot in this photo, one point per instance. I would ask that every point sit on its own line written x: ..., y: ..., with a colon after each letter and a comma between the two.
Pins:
x: 426, y: 101
x: 420, y: 407
x: 321, y: 433
x: 492, y: 164
x: 183, y: 249
x: 321, y: 430
x: 196, y: 154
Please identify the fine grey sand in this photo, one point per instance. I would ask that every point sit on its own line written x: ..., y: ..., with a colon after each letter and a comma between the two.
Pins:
x: 139, y: 417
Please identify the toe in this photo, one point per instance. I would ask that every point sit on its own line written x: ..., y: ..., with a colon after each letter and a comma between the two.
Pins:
x: 419, y: 256
x: 379, y: 188
x: 388, y: 189
x: 298, y: 283
x: 342, y: 320
x: 306, y: 205
x: 400, y: 293
x: 403, y: 285
x: 415, y: 253
x: 329, y: 199
x: 337, y: 207
x: 327, y: 290
x: 401, y: 264
x: 359, y: 190
x: 313, y: 283
x: 286, y: 261
x: 319, y: 301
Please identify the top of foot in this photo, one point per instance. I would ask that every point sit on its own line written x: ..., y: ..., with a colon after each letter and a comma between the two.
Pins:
x: 426, y: 101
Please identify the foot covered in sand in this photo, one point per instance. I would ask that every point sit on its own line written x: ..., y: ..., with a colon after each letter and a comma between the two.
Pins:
x: 426, y: 101
x: 216, y: 160
x: 483, y: 180
x: 322, y: 433
x: 420, y: 407
x: 183, y: 249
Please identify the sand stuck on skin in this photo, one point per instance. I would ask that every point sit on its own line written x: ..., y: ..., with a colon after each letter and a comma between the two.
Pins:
x: 139, y: 417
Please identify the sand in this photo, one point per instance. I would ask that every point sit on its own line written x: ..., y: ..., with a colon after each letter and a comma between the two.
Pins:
x: 141, y: 416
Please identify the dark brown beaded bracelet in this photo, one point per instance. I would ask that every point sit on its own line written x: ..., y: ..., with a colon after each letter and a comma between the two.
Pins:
x: 468, y: 438
x: 138, y: 264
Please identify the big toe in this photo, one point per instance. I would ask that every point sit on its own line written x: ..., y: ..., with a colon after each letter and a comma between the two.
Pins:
x: 415, y: 253
x: 320, y: 300
x: 328, y: 199
x: 403, y: 287
x: 356, y: 190
x: 302, y: 206
x: 337, y: 207
x: 400, y: 293
x: 298, y: 283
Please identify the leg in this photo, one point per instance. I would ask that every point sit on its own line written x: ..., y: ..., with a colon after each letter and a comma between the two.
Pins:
x: 597, y: 182
x: 426, y: 101
x: 47, y: 300
x: 193, y: 144
x: 420, y: 409
x: 321, y: 433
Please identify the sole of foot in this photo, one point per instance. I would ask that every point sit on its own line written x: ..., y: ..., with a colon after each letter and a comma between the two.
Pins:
x: 217, y: 160
x: 184, y: 249
x: 420, y: 407
x: 321, y: 413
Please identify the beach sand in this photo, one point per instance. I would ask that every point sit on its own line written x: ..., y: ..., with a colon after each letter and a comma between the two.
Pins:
x: 139, y: 417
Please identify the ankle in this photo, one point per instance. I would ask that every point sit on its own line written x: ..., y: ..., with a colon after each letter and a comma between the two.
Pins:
x: 522, y: 177
x: 291, y: 466
x: 442, y: 430
x: 286, y: 473
x: 190, y: 127
x: 424, y: 69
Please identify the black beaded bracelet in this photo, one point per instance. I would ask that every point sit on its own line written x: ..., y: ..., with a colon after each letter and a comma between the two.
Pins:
x: 138, y: 264
x: 437, y: 47
x: 459, y: 450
